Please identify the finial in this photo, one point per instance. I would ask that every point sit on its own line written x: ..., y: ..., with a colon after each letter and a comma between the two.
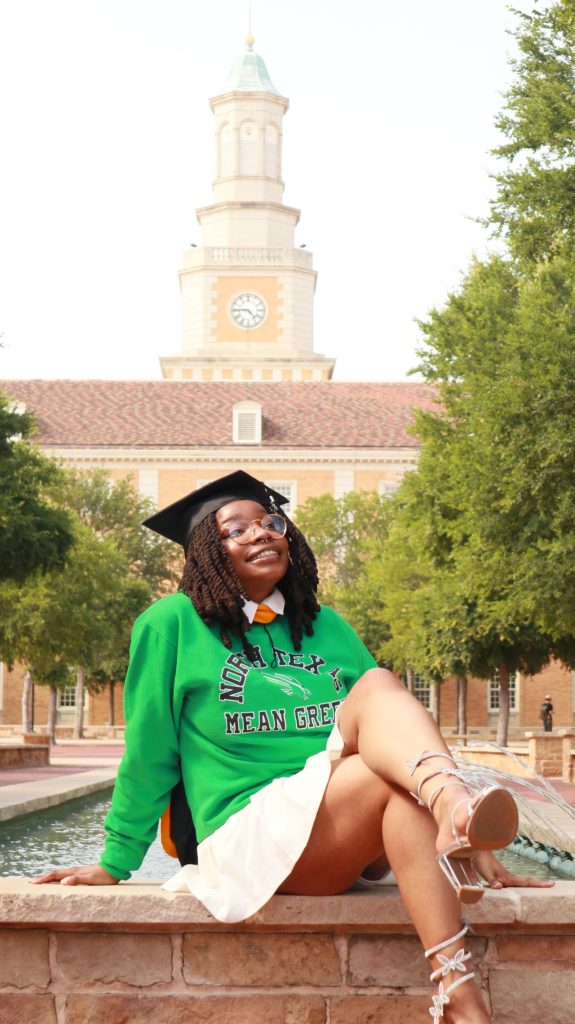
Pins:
x: 250, y: 40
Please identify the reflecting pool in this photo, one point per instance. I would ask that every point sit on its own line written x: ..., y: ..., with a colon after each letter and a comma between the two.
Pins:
x: 71, y: 834
x: 67, y: 835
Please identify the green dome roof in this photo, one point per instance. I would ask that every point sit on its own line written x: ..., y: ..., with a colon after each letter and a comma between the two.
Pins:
x: 249, y: 74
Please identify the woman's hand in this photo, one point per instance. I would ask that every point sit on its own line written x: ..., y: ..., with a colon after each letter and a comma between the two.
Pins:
x: 498, y: 877
x: 93, y: 875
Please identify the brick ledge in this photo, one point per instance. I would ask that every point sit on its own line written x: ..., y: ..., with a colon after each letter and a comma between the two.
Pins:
x: 145, y: 906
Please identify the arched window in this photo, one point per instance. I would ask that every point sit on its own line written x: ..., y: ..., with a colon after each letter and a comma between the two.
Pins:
x: 226, y: 168
x: 271, y: 169
x: 249, y: 148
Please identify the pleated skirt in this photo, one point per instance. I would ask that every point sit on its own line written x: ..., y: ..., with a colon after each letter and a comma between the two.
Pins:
x: 242, y: 863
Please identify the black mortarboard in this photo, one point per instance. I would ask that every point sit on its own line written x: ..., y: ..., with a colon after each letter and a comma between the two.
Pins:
x: 177, y: 521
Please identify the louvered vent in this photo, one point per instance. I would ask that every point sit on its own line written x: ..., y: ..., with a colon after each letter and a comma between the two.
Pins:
x: 247, y: 426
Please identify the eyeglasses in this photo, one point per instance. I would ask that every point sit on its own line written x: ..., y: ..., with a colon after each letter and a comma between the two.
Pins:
x: 243, y: 530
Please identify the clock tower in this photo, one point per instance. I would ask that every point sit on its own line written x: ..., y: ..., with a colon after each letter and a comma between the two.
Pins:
x: 247, y: 291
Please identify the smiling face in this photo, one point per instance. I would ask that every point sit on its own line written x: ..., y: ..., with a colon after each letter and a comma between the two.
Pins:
x: 262, y: 563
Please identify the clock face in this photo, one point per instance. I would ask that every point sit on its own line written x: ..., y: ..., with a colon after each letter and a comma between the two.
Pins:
x: 248, y: 310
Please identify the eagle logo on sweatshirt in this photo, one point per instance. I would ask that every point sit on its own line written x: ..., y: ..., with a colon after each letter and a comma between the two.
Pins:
x: 288, y: 685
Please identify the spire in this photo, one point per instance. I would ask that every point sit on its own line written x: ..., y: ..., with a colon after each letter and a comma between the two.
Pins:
x: 249, y: 73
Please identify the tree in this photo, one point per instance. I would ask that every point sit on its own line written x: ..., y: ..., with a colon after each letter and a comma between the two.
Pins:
x: 534, y: 208
x: 343, y: 534
x: 35, y: 533
x: 477, y: 573
x: 503, y: 460
x: 79, y: 620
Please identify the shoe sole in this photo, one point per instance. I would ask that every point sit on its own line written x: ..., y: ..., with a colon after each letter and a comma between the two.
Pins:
x: 492, y: 824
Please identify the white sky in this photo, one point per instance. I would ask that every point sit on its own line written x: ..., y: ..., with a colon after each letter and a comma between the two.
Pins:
x: 107, y: 149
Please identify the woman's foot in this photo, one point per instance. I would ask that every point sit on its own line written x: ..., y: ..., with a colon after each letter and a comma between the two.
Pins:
x: 466, y: 1006
x: 487, y: 820
x: 451, y: 811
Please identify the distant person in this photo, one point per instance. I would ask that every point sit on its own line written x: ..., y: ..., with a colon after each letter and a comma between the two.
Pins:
x: 300, y: 758
x: 546, y: 713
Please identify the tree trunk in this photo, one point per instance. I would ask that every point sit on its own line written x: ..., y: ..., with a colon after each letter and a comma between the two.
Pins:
x: 503, y: 720
x: 462, y: 706
x: 52, y: 713
x: 435, y: 701
x: 410, y: 680
x: 27, y: 702
x: 79, y: 718
x: 112, y: 703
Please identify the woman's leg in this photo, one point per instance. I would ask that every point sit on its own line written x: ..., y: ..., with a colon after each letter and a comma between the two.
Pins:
x: 390, y: 730
x: 362, y: 817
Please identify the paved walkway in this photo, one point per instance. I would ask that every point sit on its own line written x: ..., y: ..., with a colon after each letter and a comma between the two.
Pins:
x: 77, y: 767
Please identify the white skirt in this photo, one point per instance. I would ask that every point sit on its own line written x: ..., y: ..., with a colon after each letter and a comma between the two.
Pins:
x: 241, y: 864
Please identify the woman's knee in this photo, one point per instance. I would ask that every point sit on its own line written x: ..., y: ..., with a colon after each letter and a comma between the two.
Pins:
x: 370, y: 690
x: 376, y: 680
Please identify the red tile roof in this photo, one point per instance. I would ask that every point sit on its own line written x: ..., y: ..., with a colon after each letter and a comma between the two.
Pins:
x: 172, y: 414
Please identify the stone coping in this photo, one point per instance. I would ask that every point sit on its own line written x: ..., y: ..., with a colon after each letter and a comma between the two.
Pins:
x: 144, y: 906
x: 20, y: 798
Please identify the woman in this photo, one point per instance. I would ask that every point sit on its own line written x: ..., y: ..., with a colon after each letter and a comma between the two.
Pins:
x: 299, y: 757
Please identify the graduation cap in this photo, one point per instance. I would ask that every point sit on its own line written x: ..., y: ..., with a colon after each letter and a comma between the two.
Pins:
x: 177, y: 521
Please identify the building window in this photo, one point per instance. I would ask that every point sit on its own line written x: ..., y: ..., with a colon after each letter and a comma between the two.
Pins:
x: 226, y: 151
x: 248, y: 148
x: 387, y: 487
x: 247, y: 423
x: 493, y: 692
x: 422, y: 690
x: 148, y: 480
x: 67, y: 697
x: 288, y: 489
x: 271, y: 151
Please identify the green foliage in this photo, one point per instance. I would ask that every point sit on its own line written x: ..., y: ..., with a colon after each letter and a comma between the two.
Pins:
x: 82, y: 616
x: 535, y: 202
x: 486, y: 520
x: 345, y: 534
x: 35, y: 534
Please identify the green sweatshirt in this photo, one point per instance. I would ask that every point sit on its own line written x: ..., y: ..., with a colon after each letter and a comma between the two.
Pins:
x: 229, y: 727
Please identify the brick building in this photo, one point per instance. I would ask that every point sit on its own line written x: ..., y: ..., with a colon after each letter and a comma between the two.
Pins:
x: 247, y: 389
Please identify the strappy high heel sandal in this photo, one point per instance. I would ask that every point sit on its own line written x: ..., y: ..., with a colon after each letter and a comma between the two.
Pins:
x: 492, y: 821
x: 448, y: 965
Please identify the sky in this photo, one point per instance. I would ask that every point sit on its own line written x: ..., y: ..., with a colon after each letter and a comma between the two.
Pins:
x: 108, y: 149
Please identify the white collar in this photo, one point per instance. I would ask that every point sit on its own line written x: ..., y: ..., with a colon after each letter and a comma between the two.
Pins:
x: 275, y: 601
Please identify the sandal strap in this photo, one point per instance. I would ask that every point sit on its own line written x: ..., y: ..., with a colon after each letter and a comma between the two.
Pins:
x: 450, y: 963
x: 455, y: 831
x: 448, y: 942
x: 459, y: 981
x: 424, y: 756
x: 442, y: 998
x: 439, y: 789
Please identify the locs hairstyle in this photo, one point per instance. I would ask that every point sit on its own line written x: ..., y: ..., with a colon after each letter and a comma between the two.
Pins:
x: 217, y: 594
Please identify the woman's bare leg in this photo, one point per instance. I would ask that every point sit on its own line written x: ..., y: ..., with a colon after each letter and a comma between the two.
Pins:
x: 361, y: 818
x: 389, y: 728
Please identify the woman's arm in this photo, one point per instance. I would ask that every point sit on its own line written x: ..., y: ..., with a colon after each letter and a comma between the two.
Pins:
x: 150, y: 767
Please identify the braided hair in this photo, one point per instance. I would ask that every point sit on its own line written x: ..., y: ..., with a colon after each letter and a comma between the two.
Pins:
x: 212, y: 585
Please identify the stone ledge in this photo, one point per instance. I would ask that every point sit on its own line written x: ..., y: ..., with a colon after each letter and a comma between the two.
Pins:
x: 21, y: 798
x: 145, y: 906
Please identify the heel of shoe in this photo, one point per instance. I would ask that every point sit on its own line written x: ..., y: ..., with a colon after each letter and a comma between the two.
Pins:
x: 460, y: 874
